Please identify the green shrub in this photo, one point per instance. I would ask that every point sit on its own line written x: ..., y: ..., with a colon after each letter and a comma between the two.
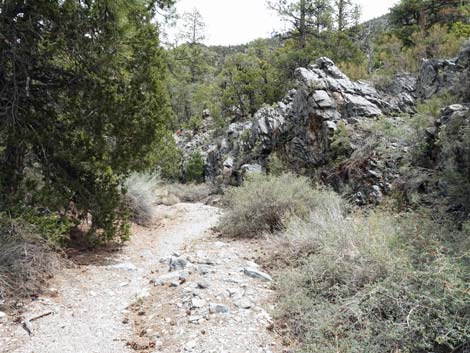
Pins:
x: 51, y: 226
x: 373, y: 283
x: 276, y: 166
x: 432, y: 107
x: 262, y: 203
x: 194, y: 123
x: 167, y: 159
x: 455, y: 161
x: 341, y: 144
x: 195, y: 168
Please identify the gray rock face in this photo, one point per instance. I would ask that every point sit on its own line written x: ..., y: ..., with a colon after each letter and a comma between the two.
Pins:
x: 306, y: 118
x: 454, y: 117
x: 400, y: 94
x: 440, y: 76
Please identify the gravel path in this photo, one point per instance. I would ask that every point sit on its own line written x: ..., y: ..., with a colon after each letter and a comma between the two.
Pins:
x: 109, y: 304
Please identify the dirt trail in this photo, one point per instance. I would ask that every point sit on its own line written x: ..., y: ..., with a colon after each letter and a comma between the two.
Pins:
x: 109, y: 304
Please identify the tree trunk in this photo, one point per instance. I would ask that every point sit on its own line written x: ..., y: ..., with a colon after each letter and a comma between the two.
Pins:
x: 303, y: 24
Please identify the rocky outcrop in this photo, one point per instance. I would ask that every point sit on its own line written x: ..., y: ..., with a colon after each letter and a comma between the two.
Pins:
x: 440, y: 76
x: 454, y: 121
x: 303, y: 124
x: 324, y: 111
x: 300, y: 127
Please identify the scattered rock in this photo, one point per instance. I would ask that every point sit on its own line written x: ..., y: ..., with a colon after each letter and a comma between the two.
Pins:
x: 125, y: 266
x: 190, y: 345
x: 203, y: 284
x: 195, y: 319
x: 170, y: 277
x: 197, y: 303
x: 218, y: 309
x: 243, y: 303
x: 3, y: 317
x: 255, y: 273
x: 178, y: 264
x: 252, y: 264
x: 174, y: 284
x: 203, y: 270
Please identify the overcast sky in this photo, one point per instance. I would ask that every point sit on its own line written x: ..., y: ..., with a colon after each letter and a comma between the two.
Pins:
x: 241, y: 21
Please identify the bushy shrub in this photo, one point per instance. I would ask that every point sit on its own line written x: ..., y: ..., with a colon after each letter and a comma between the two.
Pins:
x: 51, y: 226
x: 276, y: 165
x: 194, y: 168
x: 455, y: 161
x: 262, y: 203
x: 26, y: 261
x: 373, y: 283
x: 140, y: 197
x: 341, y: 144
x: 167, y: 159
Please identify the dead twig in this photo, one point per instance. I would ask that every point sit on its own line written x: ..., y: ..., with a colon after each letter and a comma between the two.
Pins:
x: 41, y: 316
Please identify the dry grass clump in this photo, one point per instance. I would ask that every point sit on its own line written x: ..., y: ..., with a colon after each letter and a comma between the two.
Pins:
x: 26, y: 262
x: 170, y: 194
x: 264, y: 201
x: 145, y: 191
x: 140, y: 197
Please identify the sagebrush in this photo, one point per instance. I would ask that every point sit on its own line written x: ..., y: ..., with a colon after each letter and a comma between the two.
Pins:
x: 264, y: 201
x: 373, y: 283
x: 140, y: 197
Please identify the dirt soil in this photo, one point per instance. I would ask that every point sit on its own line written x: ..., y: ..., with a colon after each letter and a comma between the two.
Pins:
x: 214, y: 299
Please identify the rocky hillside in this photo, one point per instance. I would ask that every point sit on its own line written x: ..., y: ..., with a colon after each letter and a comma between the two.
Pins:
x: 330, y: 127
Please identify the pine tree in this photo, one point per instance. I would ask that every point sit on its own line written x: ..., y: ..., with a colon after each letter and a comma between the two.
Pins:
x: 307, y: 17
x: 343, y: 14
x: 194, y: 26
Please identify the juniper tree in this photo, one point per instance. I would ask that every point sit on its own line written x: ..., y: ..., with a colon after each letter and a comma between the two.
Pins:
x: 82, y: 103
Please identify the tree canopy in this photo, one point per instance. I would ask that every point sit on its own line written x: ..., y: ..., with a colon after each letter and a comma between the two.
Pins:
x: 83, y: 103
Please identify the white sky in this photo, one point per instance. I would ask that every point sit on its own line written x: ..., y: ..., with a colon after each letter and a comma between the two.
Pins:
x: 230, y: 22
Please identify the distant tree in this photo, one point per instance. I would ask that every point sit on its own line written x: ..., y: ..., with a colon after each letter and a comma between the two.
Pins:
x: 410, y: 16
x: 192, y: 51
x: 193, y: 27
x: 248, y: 81
x: 306, y: 17
x: 343, y: 14
x: 322, y: 15
x: 356, y: 15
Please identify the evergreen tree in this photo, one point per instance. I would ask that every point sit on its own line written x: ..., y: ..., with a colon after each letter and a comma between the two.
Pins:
x: 307, y: 17
x: 193, y: 27
x: 343, y: 14
x: 83, y: 103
